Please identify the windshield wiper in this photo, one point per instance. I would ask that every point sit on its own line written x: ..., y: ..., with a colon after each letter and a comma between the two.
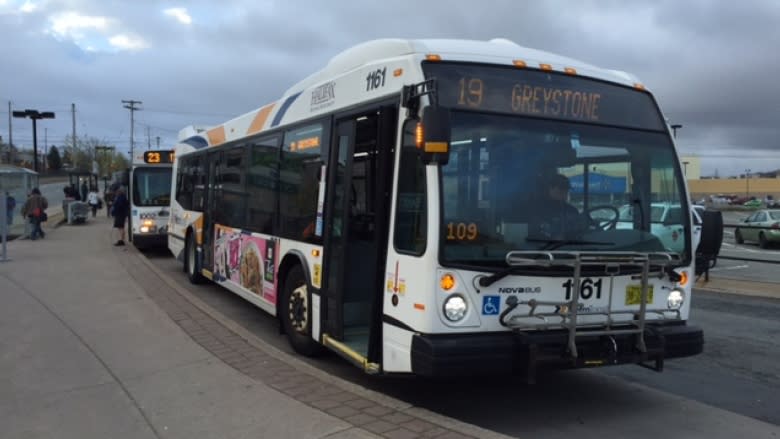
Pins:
x: 495, y: 277
x: 553, y: 244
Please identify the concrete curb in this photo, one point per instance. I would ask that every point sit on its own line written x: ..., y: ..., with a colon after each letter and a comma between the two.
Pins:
x: 435, y: 418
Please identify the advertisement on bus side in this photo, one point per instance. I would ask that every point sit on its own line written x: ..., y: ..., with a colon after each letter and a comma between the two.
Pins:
x: 245, y: 260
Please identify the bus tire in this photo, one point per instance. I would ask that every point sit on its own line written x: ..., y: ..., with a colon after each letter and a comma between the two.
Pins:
x: 191, y: 260
x: 296, y: 313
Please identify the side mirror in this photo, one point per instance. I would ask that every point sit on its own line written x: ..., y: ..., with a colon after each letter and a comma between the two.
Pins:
x: 433, y: 135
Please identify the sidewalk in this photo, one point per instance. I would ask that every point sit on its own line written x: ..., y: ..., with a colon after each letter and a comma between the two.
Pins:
x: 97, y: 345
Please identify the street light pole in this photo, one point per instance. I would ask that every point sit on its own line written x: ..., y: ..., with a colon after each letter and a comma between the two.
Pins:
x: 747, y: 182
x: 675, y: 127
x: 34, y: 115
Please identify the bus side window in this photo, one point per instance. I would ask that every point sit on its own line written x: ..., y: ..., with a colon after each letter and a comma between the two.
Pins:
x: 185, y: 183
x: 231, y: 193
x: 198, y: 178
x: 303, y: 153
x: 261, y: 185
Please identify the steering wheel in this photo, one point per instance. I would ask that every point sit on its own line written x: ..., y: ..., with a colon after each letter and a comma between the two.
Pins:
x: 600, y: 223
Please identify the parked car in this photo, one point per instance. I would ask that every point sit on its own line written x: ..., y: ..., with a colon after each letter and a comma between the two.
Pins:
x: 756, y: 203
x: 665, y: 223
x: 763, y: 226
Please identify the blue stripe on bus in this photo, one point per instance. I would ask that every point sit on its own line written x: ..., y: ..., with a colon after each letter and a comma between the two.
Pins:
x: 196, y: 142
x: 283, y: 109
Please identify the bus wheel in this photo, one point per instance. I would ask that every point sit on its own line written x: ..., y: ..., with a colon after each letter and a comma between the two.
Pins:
x: 191, y: 261
x: 296, y: 315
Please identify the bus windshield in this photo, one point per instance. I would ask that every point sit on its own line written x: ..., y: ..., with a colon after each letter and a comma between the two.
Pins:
x: 518, y: 183
x: 152, y: 186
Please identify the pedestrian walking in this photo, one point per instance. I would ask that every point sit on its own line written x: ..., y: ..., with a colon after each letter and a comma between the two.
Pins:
x: 120, y: 209
x: 93, y: 199
x: 84, y: 190
x: 10, y: 205
x: 34, y: 210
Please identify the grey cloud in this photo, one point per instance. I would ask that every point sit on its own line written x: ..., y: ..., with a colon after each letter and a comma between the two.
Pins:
x: 711, y: 65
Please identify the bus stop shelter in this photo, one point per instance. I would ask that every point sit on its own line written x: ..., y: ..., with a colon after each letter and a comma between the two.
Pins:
x: 18, y: 182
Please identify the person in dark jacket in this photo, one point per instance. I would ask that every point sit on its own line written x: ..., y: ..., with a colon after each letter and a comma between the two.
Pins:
x: 84, y: 191
x: 34, y: 210
x: 120, y: 209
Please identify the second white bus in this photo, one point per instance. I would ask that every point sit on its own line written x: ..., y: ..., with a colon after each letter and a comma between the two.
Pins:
x: 150, y: 196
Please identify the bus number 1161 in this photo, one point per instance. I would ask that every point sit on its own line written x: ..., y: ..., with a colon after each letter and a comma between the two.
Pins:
x: 587, y: 288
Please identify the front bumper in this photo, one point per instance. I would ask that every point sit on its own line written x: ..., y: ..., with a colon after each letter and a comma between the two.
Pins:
x: 150, y: 240
x: 508, y: 353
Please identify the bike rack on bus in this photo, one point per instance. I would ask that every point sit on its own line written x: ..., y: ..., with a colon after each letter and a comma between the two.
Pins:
x: 567, y: 312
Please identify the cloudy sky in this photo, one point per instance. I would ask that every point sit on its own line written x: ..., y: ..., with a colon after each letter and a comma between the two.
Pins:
x: 713, y: 65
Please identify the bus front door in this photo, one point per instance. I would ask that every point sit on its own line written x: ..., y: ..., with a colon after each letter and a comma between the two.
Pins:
x: 359, y: 175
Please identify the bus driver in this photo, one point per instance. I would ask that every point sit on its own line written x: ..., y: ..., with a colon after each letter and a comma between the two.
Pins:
x: 556, y: 219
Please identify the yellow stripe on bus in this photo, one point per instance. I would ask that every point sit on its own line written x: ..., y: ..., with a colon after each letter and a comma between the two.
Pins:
x: 259, y: 121
x: 216, y: 135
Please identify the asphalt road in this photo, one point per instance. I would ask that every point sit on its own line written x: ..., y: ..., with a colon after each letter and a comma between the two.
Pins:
x: 737, y: 372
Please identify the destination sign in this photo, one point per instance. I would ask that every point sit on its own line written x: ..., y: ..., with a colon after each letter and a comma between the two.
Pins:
x: 158, y: 157
x: 542, y: 94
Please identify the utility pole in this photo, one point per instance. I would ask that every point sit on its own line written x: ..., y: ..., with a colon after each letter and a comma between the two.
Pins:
x: 45, y: 150
x: 131, y: 105
x: 158, y: 142
x: 148, y: 139
x: 73, y: 121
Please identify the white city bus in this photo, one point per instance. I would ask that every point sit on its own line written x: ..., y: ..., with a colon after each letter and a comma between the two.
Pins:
x: 388, y: 208
x: 150, y: 195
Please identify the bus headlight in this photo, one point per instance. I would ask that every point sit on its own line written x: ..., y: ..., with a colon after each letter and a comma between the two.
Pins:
x: 675, y: 299
x: 455, y: 308
x: 147, y: 226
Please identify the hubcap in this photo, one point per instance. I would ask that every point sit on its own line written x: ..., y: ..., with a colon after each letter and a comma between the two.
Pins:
x: 299, y: 309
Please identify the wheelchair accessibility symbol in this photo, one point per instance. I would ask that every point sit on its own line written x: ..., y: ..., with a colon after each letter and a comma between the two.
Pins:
x: 491, y: 305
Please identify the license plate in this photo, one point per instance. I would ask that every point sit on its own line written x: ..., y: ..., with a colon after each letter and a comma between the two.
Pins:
x: 634, y: 294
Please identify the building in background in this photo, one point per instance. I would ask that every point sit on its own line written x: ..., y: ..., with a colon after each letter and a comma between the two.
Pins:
x: 691, y: 167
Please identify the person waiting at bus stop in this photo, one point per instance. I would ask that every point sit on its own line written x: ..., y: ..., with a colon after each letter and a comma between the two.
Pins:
x: 555, y: 218
x: 93, y: 199
x: 120, y: 209
x: 34, y: 210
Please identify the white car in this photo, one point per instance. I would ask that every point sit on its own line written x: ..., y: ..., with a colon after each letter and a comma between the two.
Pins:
x: 666, y: 222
